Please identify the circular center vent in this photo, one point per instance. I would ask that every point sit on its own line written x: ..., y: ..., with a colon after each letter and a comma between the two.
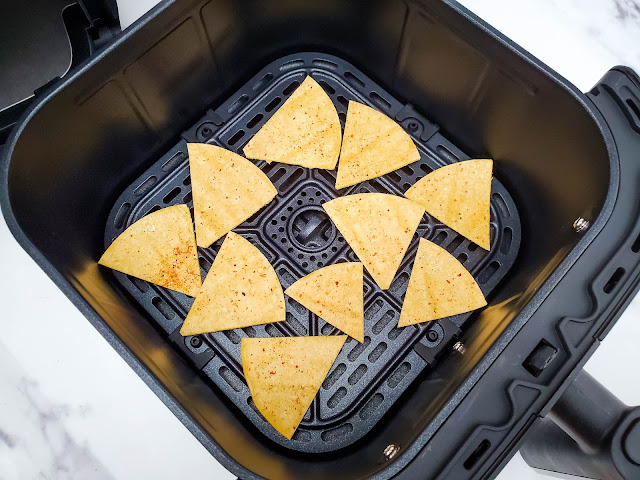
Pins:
x: 311, y: 229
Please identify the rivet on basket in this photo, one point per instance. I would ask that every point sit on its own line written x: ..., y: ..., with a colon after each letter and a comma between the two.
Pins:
x: 391, y: 451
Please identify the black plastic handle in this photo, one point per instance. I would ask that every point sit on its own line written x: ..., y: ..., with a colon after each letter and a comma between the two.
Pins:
x: 588, y: 433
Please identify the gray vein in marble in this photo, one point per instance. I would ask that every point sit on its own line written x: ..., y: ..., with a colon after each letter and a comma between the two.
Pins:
x: 7, y: 439
x: 34, y: 441
x: 627, y: 9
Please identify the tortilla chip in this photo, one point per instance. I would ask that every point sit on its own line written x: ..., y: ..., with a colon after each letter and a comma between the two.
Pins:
x: 334, y: 293
x: 305, y: 131
x: 378, y: 227
x: 459, y: 195
x: 227, y: 189
x: 285, y: 373
x: 373, y: 145
x: 241, y: 290
x: 439, y: 287
x: 159, y: 248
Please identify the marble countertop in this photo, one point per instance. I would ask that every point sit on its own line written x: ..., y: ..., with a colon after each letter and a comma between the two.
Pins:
x: 71, y: 408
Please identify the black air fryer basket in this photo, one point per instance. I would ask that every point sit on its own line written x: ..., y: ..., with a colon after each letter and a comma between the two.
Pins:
x: 106, y: 145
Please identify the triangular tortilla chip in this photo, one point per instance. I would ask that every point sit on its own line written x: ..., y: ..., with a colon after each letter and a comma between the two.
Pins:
x: 378, y: 227
x: 159, y: 248
x: 459, y: 195
x: 284, y: 375
x: 439, y: 287
x: 373, y: 145
x: 241, y: 290
x: 305, y: 131
x: 334, y: 293
x: 227, y: 189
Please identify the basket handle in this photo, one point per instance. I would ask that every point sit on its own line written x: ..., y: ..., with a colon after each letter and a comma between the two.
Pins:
x: 589, y: 432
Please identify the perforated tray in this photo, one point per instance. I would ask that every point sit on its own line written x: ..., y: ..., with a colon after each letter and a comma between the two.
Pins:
x: 297, y: 237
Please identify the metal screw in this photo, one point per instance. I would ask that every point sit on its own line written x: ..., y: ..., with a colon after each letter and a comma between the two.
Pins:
x: 580, y: 225
x: 205, y: 130
x: 391, y: 451
x: 460, y: 348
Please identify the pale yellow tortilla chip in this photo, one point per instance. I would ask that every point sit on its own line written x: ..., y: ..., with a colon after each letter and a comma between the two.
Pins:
x: 379, y: 228
x: 459, y: 195
x: 373, y: 145
x: 227, y: 189
x: 240, y: 290
x: 159, y: 248
x: 285, y: 373
x: 439, y: 287
x: 304, y: 131
x: 334, y: 293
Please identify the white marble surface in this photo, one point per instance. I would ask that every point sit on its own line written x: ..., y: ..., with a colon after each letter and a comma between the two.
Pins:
x: 70, y: 407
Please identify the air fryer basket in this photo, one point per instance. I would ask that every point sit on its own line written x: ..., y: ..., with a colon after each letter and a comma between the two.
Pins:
x: 102, y: 131
x: 297, y: 237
